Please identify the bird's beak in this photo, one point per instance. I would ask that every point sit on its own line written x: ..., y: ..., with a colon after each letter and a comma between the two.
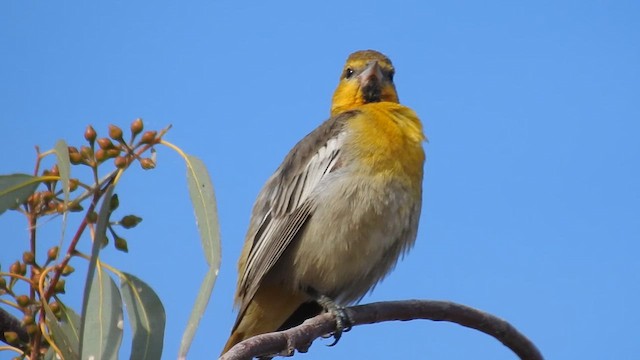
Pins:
x: 372, y: 72
x: 371, y: 82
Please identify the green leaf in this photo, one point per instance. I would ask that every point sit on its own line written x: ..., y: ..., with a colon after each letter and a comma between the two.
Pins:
x: 15, y: 189
x: 64, y: 168
x: 146, y: 316
x: 204, y: 204
x: 196, y: 313
x: 103, y: 323
x: 100, y: 237
x: 61, y: 336
x: 70, y: 325
x: 203, y: 199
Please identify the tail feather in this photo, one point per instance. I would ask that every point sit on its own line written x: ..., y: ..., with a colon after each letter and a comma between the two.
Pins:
x: 267, y: 312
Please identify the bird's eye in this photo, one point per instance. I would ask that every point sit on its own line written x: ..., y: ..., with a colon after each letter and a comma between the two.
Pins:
x: 348, y: 73
x: 390, y: 75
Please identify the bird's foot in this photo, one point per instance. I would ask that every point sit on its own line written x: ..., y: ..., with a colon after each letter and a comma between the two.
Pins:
x: 343, y: 321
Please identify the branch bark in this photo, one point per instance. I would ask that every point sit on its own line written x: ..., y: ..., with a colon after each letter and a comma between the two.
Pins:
x: 300, y: 337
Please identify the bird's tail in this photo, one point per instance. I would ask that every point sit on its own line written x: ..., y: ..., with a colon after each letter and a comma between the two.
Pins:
x: 267, y: 312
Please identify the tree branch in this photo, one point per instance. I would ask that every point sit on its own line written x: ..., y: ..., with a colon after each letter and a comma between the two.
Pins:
x: 300, y: 337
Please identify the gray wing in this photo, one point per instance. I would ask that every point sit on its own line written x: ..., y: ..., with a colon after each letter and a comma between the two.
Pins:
x: 284, y: 205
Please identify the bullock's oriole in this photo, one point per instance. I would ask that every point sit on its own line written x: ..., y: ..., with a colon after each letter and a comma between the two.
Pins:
x: 337, y: 214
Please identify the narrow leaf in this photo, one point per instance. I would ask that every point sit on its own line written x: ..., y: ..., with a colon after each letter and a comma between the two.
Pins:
x: 196, y: 313
x: 100, y: 235
x: 204, y: 204
x: 15, y: 189
x: 64, y: 168
x: 62, y: 340
x: 146, y: 316
x: 103, y: 323
x: 70, y: 325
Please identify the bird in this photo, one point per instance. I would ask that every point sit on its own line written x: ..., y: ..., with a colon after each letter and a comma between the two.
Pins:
x: 340, y: 210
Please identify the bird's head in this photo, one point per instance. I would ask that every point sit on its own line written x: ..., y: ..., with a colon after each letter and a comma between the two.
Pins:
x: 367, y: 77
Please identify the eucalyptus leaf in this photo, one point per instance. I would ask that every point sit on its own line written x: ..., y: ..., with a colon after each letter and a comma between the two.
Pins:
x: 70, y: 325
x: 15, y: 189
x: 100, y: 235
x: 50, y: 355
x: 198, y: 310
x: 204, y: 204
x: 64, y: 168
x: 60, y: 336
x: 103, y: 323
x: 146, y: 316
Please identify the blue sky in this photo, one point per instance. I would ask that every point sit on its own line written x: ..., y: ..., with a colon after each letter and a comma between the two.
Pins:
x: 532, y: 186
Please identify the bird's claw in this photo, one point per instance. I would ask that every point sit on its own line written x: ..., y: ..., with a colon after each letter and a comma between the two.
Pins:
x: 343, y: 321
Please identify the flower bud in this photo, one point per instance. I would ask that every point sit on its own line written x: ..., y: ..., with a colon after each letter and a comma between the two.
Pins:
x: 73, y: 184
x: 121, y: 244
x: 52, y: 254
x: 15, y: 268
x: 86, y: 152
x: 90, y: 134
x: 111, y: 153
x: 55, y: 307
x: 114, y: 202
x: 115, y: 133
x: 59, y: 288
x: 149, y: 137
x: 11, y: 337
x: 130, y: 221
x: 68, y: 269
x: 101, y: 155
x: 22, y: 300
x: 147, y: 164
x: 75, y: 207
x: 28, y: 257
x: 28, y: 320
x: 120, y: 162
x: 75, y: 158
x: 105, y: 144
x: 136, y: 126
